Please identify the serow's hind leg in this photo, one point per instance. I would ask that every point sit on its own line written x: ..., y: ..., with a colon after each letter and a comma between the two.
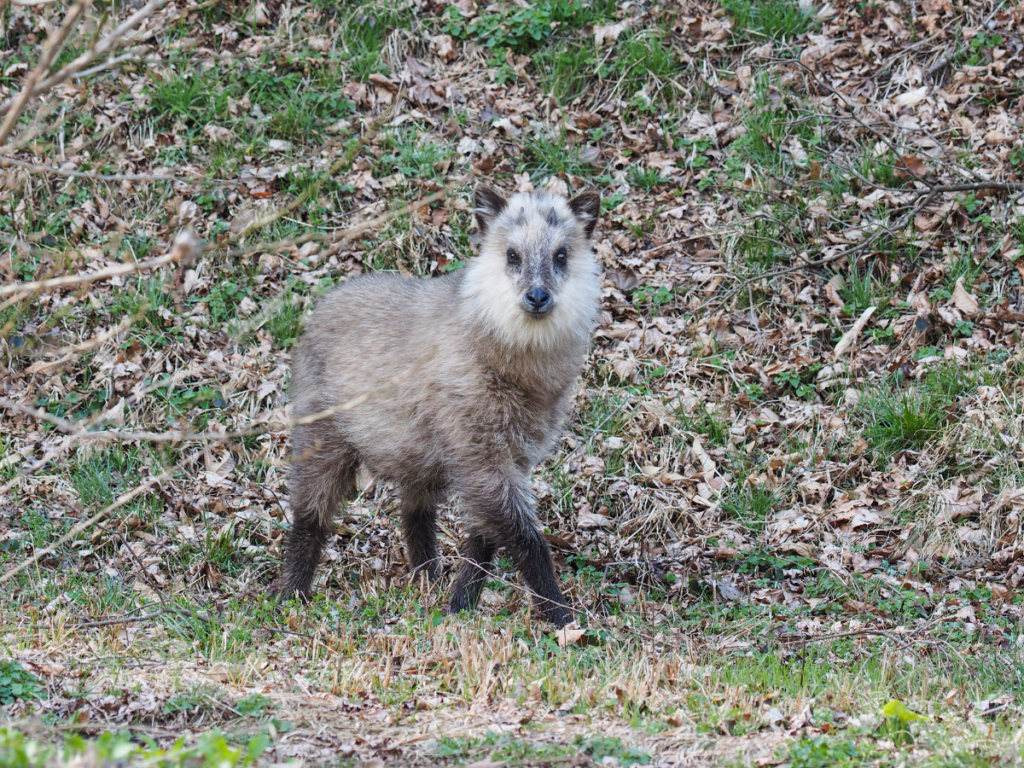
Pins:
x: 322, y: 476
x: 499, y: 509
x: 419, y: 529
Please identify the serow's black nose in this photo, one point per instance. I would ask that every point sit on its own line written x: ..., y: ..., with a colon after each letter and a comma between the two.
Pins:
x: 538, y: 300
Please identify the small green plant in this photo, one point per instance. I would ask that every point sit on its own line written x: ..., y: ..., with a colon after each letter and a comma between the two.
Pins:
x: 366, y: 30
x: 963, y: 266
x: 554, y: 156
x: 772, y: 565
x: 600, y: 747
x: 99, y: 477
x: 825, y: 752
x: 566, y: 70
x: 971, y: 203
x: 963, y: 329
x: 800, y: 382
x: 17, y: 751
x: 184, y: 703
x: 645, y: 178
x: 502, y: 72
x: 412, y: 157
x: 901, y: 420
x: 285, y: 325
x: 223, y: 301
x: 525, y: 28
x: 859, y: 290
x: 16, y: 682
x: 781, y: 20
x: 253, y: 705
x: 751, y: 505
x: 185, y: 96
x: 776, y: 122
x: 453, y: 747
x: 643, y: 68
x: 653, y: 298
x: 980, y: 49
x: 763, y: 244
x: 897, y: 722
x: 706, y: 422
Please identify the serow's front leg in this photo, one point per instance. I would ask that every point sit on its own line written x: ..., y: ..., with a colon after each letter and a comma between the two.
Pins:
x: 419, y: 528
x: 500, y: 510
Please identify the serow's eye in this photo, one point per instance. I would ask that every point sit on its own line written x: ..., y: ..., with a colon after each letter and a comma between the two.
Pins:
x: 560, y: 258
x: 513, y: 257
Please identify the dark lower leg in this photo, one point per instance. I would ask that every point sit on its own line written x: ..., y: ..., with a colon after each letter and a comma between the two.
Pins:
x: 322, y: 476
x: 533, y: 559
x: 302, y: 548
x: 476, y: 554
x: 419, y: 528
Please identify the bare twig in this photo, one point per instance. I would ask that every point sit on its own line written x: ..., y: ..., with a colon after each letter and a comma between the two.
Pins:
x: 925, y: 197
x: 343, y: 162
x: 120, y: 33
x: 974, y: 186
x: 120, y: 620
x: 118, y: 503
x: 97, y: 340
x: 802, y: 639
x: 70, y: 428
x: 52, y: 49
x: 6, y: 162
x: 143, y: 573
x: 412, y: 207
x: 132, y: 56
x: 185, y: 248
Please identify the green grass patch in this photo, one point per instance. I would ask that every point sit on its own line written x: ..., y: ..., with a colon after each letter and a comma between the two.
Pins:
x: 525, y: 28
x: 898, y: 416
x: 555, y: 155
x: 100, y: 476
x: 775, y: 123
x: 860, y: 289
x: 568, y: 70
x: 781, y: 20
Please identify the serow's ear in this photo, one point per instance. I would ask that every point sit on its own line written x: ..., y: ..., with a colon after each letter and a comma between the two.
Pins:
x: 586, y: 206
x: 488, y: 204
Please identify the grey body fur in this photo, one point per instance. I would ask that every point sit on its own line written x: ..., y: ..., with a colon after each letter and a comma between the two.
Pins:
x: 494, y: 349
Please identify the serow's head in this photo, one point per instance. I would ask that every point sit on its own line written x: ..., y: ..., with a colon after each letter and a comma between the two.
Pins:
x: 536, y: 272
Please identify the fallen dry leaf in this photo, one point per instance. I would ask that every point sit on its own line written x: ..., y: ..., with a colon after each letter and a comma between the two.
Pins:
x: 608, y: 33
x: 963, y: 300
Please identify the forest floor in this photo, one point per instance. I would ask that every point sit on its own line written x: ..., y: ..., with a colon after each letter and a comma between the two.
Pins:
x: 787, y: 506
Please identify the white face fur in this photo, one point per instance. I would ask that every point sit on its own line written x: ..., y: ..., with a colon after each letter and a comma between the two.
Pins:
x: 536, y: 281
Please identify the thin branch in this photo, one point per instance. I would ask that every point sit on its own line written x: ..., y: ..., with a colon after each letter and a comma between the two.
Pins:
x: 70, y: 428
x: 999, y: 186
x: 343, y: 162
x: 6, y: 162
x: 100, y: 49
x: 412, y: 207
x: 132, y: 56
x: 120, y: 620
x: 185, y: 248
x: 53, y: 47
x: 802, y: 639
x: 98, y: 339
x: 120, y: 502
x: 925, y: 197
